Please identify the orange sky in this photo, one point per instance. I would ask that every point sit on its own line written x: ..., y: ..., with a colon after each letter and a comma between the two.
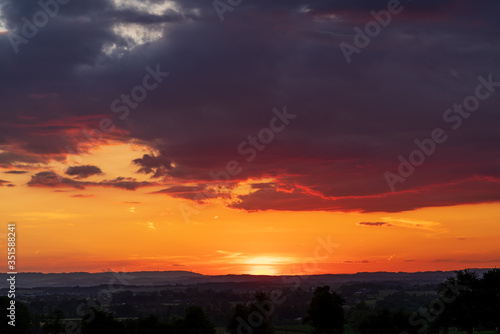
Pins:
x: 384, y: 144
x: 114, y: 229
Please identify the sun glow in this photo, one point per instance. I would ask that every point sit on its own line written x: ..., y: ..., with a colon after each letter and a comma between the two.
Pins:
x: 268, y: 260
x: 263, y: 270
x: 266, y: 265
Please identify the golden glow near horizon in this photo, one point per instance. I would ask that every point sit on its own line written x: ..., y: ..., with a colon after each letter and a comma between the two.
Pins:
x: 103, y: 228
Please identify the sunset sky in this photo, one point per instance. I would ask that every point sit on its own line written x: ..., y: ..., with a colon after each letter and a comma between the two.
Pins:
x: 237, y: 139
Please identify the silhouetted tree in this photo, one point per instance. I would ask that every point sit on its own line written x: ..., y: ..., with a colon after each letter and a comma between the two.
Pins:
x: 464, y: 307
x: 490, y: 297
x: 254, y: 318
x: 149, y: 325
x: 194, y: 322
x: 53, y: 323
x: 386, y: 322
x: 100, y: 322
x: 325, y: 313
x: 355, y: 315
x: 380, y: 323
x: 126, y: 310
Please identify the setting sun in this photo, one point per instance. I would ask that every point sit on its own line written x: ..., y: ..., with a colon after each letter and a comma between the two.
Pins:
x: 262, y: 270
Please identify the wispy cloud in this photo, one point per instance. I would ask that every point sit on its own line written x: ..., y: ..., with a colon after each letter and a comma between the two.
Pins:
x: 426, y: 225
x: 374, y: 224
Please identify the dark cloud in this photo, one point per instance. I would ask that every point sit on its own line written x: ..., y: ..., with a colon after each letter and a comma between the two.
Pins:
x: 362, y: 261
x: 181, y: 191
x: 16, y: 172
x: 374, y: 224
x: 353, y: 120
x: 81, y: 196
x: 51, y: 179
x: 82, y: 172
x: 198, y: 193
x: 156, y: 165
x: 480, y: 191
x: 11, y: 159
x: 127, y: 183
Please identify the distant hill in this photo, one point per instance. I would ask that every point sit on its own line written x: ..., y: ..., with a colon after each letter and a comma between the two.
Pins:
x: 84, y: 279
x: 157, y: 278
